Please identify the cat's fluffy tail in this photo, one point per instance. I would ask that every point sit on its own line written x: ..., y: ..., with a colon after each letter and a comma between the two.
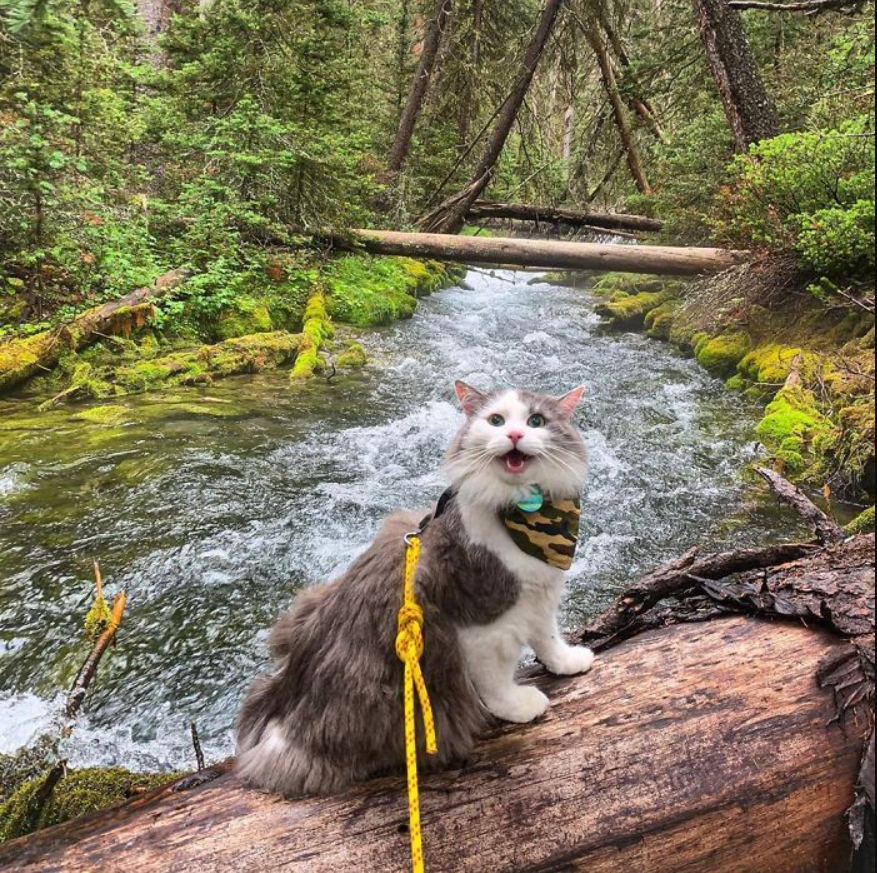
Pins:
x: 269, y: 758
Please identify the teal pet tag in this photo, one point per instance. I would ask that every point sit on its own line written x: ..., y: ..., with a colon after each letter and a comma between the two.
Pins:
x: 533, y: 502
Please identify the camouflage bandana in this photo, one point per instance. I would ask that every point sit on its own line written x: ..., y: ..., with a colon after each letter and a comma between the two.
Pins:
x: 549, y: 534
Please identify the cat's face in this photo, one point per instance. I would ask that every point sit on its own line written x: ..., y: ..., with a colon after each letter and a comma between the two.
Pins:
x: 513, y: 440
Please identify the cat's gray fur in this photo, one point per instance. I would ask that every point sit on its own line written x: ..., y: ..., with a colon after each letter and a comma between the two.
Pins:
x: 331, y: 713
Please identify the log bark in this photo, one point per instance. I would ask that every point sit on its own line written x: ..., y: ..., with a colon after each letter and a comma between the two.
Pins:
x: 451, y: 215
x: 408, y: 120
x: 694, y: 748
x: 550, y: 254
x: 22, y: 359
x: 484, y: 209
x: 751, y: 113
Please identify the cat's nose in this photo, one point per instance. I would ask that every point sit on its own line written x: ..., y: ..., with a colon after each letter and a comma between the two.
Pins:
x: 515, y: 436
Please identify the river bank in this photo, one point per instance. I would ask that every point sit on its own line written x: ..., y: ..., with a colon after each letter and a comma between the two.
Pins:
x: 810, y: 364
x: 280, y: 312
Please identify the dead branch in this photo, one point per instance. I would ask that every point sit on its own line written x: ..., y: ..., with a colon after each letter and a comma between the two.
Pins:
x: 827, y: 529
x: 92, y: 662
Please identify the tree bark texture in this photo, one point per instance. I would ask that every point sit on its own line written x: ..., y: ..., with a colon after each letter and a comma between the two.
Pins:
x: 551, y: 254
x: 751, y: 113
x: 693, y: 748
x: 451, y: 215
x: 419, y: 87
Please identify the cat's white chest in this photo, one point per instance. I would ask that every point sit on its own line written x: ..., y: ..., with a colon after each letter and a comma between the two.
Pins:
x: 541, y: 584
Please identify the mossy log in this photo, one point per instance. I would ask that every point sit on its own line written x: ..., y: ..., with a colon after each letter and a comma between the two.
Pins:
x: 550, y: 254
x: 705, y: 747
x: 22, y: 359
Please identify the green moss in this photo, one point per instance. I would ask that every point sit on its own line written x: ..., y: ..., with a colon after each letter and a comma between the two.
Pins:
x: 862, y: 524
x: 317, y: 329
x: 78, y: 793
x: 630, y: 311
x: 720, y: 355
x: 353, y: 358
x: 19, y: 358
x: 792, y: 428
x: 109, y: 415
x: 369, y: 291
x: 659, y: 321
x: 246, y: 317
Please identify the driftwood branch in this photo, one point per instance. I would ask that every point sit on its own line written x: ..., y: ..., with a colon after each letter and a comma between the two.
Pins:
x: 89, y: 668
x: 624, y: 618
x: 827, y: 529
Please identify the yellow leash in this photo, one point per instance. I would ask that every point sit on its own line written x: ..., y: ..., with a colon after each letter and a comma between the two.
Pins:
x: 409, y: 648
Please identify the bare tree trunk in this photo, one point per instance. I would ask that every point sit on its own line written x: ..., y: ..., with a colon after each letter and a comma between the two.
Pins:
x: 750, y: 110
x: 451, y: 215
x: 407, y: 122
x: 634, y: 161
x: 640, y: 105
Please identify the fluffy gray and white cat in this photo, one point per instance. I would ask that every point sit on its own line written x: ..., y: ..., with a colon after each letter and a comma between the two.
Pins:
x: 331, y: 713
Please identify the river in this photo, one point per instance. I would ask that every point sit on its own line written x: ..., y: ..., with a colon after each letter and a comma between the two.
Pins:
x: 211, y: 507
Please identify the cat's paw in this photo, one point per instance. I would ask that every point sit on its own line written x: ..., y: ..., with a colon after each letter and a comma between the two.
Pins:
x: 522, y: 704
x: 572, y: 661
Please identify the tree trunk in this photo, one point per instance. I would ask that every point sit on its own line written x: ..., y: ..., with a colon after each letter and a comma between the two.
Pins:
x: 21, y: 359
x: 751, y: 112
x: 485, y: 209
x: 607, y: 74
x: 451, y: 215
x: 550, y: 254
x: 407, y: 122
x: 695, y: 748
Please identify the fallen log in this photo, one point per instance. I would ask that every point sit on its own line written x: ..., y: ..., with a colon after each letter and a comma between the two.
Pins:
x: 22, y: 359
x: 697, y: 747
x: 549, y: 254
x: 485, y: 210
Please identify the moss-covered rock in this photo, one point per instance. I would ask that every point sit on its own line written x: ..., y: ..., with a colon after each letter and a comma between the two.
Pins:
x: 629, y: 311
x: 353, y: 357
x: 659, y: 322
x: 791, y: 427
x: 862, y: 523
x: 721, y: 354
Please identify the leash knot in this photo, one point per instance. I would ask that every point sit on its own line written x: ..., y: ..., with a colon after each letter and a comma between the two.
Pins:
x: 409, y: 641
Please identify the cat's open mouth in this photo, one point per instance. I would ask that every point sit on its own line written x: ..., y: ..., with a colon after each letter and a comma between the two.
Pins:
x: 516, y: 461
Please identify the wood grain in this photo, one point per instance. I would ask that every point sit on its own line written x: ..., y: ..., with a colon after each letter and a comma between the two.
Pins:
x: 693, y: 748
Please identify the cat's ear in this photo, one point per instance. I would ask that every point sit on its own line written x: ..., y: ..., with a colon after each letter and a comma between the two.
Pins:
x: 570, y: 402
x: 471, y: 399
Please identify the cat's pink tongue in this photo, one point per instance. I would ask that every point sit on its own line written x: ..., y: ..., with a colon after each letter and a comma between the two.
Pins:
x: 515, y: 461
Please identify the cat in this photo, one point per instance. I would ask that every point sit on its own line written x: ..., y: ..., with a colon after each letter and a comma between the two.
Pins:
x: 331, y: 713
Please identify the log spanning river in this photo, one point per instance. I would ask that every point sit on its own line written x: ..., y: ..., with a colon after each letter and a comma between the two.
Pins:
x: 212, y: 507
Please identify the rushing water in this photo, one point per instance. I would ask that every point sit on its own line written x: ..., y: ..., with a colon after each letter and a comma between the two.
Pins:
x: 211, y: 507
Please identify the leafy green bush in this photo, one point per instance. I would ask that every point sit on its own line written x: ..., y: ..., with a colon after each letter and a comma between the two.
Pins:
x: 811, y: 193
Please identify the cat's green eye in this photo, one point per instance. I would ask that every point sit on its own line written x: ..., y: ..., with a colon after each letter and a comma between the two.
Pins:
x: 496, y: 420
x: 537, y: 421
